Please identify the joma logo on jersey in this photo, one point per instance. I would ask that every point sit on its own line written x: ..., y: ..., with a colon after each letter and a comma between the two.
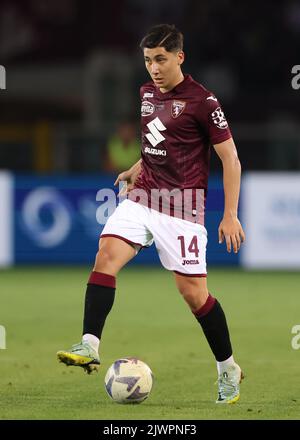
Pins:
x: 147, y: 108
x: 148, y: 95
x: 185, y: 262
x: 177, y: 108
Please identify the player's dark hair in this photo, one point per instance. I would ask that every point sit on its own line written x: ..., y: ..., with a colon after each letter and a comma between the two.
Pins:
x: 163, y: 35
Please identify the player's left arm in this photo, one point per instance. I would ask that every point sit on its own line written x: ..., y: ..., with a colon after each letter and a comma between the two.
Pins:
x: 230, y: 227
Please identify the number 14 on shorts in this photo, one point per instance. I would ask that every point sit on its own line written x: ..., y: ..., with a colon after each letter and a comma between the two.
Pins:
x: 192, y: 247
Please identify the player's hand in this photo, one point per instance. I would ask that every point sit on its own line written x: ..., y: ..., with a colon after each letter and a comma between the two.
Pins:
x: 232, y: 232
x: 128, y: 176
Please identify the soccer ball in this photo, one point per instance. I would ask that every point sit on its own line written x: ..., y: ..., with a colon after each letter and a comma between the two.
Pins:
x: 128, y: 380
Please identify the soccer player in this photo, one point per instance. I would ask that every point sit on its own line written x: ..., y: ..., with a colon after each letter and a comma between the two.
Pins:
x: 180, y: 120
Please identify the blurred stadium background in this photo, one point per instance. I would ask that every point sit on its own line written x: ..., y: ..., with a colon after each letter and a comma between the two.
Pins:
x: 73, y: 72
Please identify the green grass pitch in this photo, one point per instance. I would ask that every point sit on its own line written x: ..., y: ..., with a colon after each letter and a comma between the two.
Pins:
x: 41, y: 309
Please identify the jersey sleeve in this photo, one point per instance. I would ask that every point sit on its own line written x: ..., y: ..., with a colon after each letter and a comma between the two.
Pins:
x: 211, y: 117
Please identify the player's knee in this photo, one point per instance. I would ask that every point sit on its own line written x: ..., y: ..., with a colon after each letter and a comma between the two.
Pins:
x: 104, y: 261
x: 186, y: 285
x: 193, y: 292
x: 188, y: 293
x: 195, y: 300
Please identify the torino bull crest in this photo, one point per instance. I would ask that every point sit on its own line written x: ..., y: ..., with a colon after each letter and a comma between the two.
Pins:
x: 177, y: 108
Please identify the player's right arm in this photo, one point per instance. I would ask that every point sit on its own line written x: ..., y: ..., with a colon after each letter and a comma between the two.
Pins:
x: 212, y: 118
x: 129, y: 176
x: 230, y: 228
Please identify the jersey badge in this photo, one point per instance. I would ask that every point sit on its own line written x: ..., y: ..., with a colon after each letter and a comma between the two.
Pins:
x: 147, y: 108
x: 177, y: 108
x: 219, y: 118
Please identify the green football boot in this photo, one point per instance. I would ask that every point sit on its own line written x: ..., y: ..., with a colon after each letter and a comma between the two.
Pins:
x: 80, y: 355
x: 229, y: 384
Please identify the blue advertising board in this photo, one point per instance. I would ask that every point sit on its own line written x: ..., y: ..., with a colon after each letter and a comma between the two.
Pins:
x: 55, y: 220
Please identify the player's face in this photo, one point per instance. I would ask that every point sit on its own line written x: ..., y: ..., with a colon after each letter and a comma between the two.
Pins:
x: 164, y: 67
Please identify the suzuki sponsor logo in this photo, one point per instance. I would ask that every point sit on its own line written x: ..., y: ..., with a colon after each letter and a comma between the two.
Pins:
x: 155, y: 127
x: 155, y: 151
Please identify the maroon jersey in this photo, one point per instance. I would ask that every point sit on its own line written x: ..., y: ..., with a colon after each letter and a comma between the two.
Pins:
x: 178, y: 128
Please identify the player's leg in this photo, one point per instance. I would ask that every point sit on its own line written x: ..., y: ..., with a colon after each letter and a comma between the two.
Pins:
x: 113, y: 254
x: 211, y: 317
x: 182, y: 249
x: 193, y: 290
x: 123, y: 235
x: 208, y: 313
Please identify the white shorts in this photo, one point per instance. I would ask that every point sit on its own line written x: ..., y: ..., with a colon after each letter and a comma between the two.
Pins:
x: 181, y: 245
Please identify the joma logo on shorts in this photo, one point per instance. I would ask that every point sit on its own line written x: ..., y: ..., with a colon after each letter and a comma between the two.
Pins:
x: 190, y: 262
